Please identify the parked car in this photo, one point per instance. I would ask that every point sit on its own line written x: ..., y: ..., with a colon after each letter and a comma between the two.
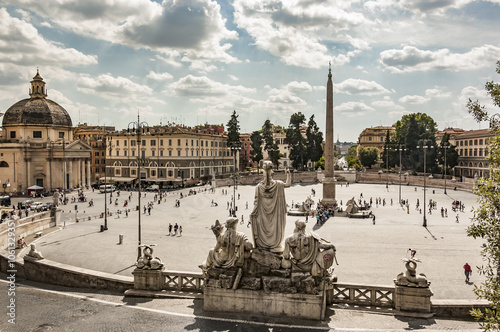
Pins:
x: 153, y: 187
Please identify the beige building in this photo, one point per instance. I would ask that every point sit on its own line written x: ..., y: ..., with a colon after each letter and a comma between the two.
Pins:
x: 374, y: 137
x: 473, y: 147
x: 169, y: 154
x: 37, y: 145
x: 94, y: 137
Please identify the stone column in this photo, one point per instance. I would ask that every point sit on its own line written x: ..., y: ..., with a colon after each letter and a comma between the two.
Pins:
x: 88, y: 173
x: 28, y: 174
x: 79, y: 172
x: 70, y: 173
x: 329, y: 181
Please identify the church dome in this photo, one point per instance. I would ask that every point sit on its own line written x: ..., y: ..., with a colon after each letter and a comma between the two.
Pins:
x: 37, y: 110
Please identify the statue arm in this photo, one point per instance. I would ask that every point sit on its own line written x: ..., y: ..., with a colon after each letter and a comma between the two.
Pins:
x: 288, y: 178
x: 286, y: 252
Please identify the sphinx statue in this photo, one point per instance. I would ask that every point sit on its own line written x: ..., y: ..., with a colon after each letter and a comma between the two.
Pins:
x: 230, y: 249
x: 307, y: 252
x: 34, y: 253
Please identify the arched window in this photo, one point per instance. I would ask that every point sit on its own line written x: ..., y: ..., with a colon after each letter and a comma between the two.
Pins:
x: 3, y: 163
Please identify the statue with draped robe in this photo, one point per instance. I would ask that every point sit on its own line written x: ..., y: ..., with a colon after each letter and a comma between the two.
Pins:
x: 268, y: 217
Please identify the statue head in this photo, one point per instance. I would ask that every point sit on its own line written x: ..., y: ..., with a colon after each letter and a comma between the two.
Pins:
x: 231, y: 222
x: 267, y: 166
x: 300, y: 226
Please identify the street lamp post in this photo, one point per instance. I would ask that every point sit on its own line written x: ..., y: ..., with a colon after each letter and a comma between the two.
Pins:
x: 106, y: 145
x: 400, y: 149
x: 234, y: 148
x: 423, y: 145
x: 137, y: 127
x: 445, y: 146
x: 386, y: 149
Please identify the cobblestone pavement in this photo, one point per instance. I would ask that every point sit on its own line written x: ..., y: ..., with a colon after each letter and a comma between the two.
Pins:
x: 54, y: 308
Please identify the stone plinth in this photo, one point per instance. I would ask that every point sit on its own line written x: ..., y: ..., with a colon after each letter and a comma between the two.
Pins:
x: 414, y: 299
x: 148, y: 279
x: 266, y: 304
x: 329, y: 191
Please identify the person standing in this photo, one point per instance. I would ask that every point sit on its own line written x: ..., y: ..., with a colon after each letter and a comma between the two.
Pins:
x: 468, y: 271
x: 169, y: 229
x: 180, y: 230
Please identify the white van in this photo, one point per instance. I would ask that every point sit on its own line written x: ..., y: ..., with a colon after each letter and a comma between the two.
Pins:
x: 107, y: 188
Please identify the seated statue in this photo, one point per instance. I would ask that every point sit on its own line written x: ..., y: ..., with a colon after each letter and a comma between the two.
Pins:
x: 230, y: 248
x: 307, y: 252
x: 147, y: 261
x: 410, y: 277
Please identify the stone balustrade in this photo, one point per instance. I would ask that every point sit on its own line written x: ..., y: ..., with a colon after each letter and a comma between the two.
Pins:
x: 365, y: 295
x: 183, y: 281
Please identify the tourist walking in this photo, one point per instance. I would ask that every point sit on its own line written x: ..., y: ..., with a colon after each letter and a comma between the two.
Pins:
x: 180, y: 230
x: 468, y: 271
x: 169, y: 229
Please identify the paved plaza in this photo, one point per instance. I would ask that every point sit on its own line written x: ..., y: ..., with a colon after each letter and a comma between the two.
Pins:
x: 367, y: 254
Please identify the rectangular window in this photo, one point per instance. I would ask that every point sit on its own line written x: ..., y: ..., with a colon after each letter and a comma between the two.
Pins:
x: 480, y: 152
x: 475, y: 142
x: 125, y: 143
x: 212, y: 144
x: 187, y: 142
x: 170, y: 153
x: 178, y: 153
x: 153, y: 142
x: 143, y: 154
x: 161, y: 153
x: 132, y: 142
x: 133, y: 153
x: 117, y: 153
x: 161, y: 142
x: 133, y: 172
x: 201, y: 143
x: 117, y: 171
x: 152, y: 153
x: 97, y: 161
x: 381, y: 139
x: 117, y: 142
x: 37, y: 134
x: 369, y: 139
x: 192, y: 153
x: 143, y: 142
x: 169, y: 142
x: 481, y: 141
x: 96, y: 153
x: 178, y: 142
x: 466, y: 143
x: 125, y: 152
x: 192, y: 142
x: 470, y: 142
x: 61, y: 134
x: 170, y: 174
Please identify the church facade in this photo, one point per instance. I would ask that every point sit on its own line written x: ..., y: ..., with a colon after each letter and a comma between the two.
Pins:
x: 37, y: 147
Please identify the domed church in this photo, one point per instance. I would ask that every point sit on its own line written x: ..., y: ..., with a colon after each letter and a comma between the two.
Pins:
x: 37, y: 149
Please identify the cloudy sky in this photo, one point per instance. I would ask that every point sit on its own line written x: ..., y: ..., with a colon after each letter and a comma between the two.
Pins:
x: 195, y: 61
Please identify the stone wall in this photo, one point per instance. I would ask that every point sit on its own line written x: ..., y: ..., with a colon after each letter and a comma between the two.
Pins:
x: 50, y: 272
x: 26, y: 226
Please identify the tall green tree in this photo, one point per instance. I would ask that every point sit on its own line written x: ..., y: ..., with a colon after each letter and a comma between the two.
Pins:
x: 296, y: 142
x: 233, y: 131
x: 269, y: 144
x: 451, y: 154
x: 486, y: 223
x: 256, y: 153
x: 409, y: 131
x: 368, y: 156
x: 314, y: 138
x: 352, y: 158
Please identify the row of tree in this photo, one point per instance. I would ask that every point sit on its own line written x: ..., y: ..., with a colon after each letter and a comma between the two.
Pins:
x: 304, y: 143
x: 405, y: 148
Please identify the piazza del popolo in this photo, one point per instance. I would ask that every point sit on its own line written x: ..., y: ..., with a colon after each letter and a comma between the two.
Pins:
x: 37, y: 143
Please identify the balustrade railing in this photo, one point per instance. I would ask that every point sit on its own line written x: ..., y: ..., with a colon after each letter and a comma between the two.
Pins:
x: 367, y: 295
x: 183, y: 281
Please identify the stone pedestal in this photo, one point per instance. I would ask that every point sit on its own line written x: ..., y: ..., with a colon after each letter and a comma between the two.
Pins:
x: 329, y: 191
x: 148, y: 279
x: 414, y: 299
x: 273, y: 304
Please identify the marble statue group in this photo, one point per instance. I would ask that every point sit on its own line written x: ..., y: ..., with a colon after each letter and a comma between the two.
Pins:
x: 304, y: 253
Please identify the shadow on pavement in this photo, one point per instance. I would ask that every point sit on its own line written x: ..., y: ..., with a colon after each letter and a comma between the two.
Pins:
x: 435, y: 238
x: 416, y: 323
x: 70, y: 238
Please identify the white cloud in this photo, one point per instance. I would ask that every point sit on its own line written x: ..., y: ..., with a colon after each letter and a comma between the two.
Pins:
x: 159, y: 76
x: 298, y: 31
x: 202, y: 86
x: 411, y: 59
x: 195, y: 27
x: 413, y: 99
x: 437, y: 92
x: 21, y: 44
x: 354, y: 109
x: 113, y: 88
x: 75, y: 109
x: 353, y: 86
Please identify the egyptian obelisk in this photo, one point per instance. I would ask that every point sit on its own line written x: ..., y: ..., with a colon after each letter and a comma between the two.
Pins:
x: 329, y: 181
